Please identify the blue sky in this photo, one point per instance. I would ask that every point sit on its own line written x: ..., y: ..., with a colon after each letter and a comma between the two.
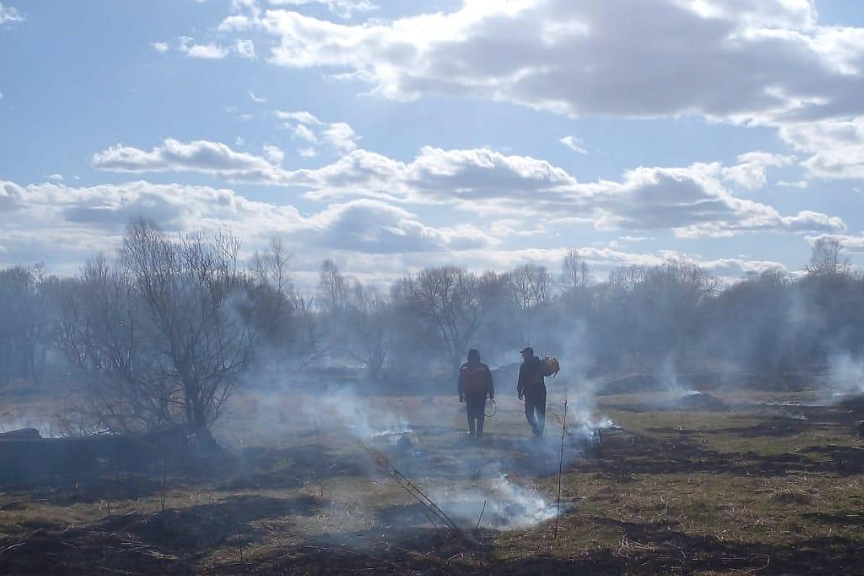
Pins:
x: 391, y: 136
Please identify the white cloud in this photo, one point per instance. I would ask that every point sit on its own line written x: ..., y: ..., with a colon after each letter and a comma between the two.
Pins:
x: 10, y: 14
x: 376, y: 227
x: 851, y: 243
x: 257, y: 99
x: 55, y: 177
x: 740, y: 60
x: 245, y: 48
x: 341, y: 137
x: 691, y: 201
x: 574, y: 144
x: 301, y: 116
x: 304, y: 133
x: 273, y: 154
x: 835, y: 147
x: 71, y: 223
x: 740, y: 267
x: 750, y: 172
x: 342, y: 8
x: 200, y: 156
x: 204, y: 51
x: 308, y: 152
x: 799, y: 184
x: 160, y: 47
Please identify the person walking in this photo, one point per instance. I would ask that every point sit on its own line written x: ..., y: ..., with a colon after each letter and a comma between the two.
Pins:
x: 475, y: 384
x: 532, y: 388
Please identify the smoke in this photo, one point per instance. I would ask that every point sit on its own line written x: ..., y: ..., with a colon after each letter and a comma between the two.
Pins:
x: 363, y: 418
x: 846, y: 374
x: 668, y: 376
x: 505, y: 505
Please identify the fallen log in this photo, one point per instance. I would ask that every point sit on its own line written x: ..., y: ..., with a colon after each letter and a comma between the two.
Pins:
x: 22, y: 434
x: 25, y: 459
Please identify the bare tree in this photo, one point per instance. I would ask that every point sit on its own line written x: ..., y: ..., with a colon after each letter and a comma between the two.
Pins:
x: 454, y: 301
x: 530, y: 287
x: 104, y: 330
x: 574, y: 272
x: 164, y: 332
x: 368, y: 321
x: 29, y: 322
x: 282, y: 317
x: 191, y: 292
x: 826, y: 257
x: 333, y: 287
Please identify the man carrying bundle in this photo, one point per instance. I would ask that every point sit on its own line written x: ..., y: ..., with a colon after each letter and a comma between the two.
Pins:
x: 475, y: 383
x: 532, y: 387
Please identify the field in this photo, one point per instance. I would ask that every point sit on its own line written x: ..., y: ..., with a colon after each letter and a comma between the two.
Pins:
x: 743, y: 484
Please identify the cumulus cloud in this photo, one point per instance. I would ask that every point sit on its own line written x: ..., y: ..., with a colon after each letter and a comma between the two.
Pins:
x: 739, y: 267
x: 9, y: 14
x: 341, y: 137
x: 851, y: 243
x: 300, y: 116
x: 74, y: 222
x: 257, y: 99
x: 160, y: 47
x: 273, y: 154
x: 245, y: 48
x: 373, y: 226
x: 342, y: 8
x: 835, y: 147
x: 740, y: 60
x: 304, y: 133
x: 574, y: 144
x: 692, y: 201
x: 751, y: 170
x: 199, y: 156
x: 204, y: 51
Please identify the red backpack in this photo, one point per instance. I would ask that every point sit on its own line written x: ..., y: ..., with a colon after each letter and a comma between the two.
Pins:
x: 474, y: 379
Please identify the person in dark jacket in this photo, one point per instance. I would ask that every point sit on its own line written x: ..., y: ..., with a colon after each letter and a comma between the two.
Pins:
x: 532, y: 387
x: 475, y: 384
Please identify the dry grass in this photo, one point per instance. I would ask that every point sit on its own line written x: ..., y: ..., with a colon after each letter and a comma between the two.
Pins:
x: 757, y: 490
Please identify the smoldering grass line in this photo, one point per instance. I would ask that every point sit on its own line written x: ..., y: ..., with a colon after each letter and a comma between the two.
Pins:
x: 384, y: 464
x: 482, y: 510
x: 560, y: 470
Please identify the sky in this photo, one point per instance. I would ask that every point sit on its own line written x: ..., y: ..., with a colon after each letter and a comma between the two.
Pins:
x: 389, y: 136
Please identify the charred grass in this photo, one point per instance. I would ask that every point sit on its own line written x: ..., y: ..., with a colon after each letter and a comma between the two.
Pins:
x: 758, y: 489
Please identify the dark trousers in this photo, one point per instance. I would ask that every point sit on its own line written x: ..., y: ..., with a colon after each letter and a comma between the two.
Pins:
x: 476, y: 405
x: 535, y: 410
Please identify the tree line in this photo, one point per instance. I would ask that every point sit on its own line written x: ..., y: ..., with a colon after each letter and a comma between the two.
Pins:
x: 167, y: 329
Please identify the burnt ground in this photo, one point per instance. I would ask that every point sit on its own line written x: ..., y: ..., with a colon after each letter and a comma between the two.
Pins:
x: 760, y: 488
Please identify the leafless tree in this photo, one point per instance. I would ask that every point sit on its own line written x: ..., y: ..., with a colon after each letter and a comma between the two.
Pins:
x: 163, y: 332
x: 574, y: 272
x: 826, y: 257
x: 282, y: 317
x: 105, y: 334
x: 333, y: 288
x: 29, y: 322
x: 369, y: 323
x: 530, y: 287
x: 455, y: 301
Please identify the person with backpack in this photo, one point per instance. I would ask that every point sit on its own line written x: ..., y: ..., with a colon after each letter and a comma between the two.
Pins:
x: 475, y: 384
x: 532, y: 387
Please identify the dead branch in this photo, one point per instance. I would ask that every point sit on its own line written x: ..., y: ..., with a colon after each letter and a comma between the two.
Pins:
x: 560, y: 470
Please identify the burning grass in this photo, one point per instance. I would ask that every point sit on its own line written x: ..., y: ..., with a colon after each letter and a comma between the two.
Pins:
x: 759, y: 489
